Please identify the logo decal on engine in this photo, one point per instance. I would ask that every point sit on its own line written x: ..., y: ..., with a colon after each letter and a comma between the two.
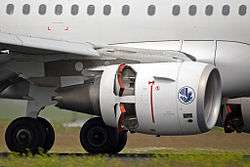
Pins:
x: 186, y: 95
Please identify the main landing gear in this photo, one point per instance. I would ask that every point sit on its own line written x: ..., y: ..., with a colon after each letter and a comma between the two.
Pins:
x: 35, y: 135
x: 96, y: 137
x: 233, y: 120
x: 27, y: 134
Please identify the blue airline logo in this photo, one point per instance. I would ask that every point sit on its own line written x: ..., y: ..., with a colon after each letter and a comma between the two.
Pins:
x: 186, y: 95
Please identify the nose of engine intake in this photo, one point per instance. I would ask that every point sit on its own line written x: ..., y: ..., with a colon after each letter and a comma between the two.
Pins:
x: 209, y: 101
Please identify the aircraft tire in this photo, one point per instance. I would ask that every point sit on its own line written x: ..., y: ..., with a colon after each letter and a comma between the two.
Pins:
x: 122, y: 141
x: 94, y: 136
x: 117, y: 140
x: 24, y: 135
x: 49, y: 133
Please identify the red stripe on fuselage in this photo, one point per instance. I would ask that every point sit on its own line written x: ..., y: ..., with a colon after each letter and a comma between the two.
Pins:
x: 151, y: 100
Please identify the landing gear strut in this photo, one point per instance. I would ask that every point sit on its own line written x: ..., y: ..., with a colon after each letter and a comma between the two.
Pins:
x: 234, y: 120
x: 27, y: 134
x: 96, y: 137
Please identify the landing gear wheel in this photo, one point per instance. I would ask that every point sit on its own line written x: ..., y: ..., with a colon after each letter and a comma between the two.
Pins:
x: 118, y: 140
x: 49, y: 134
x: 122, y: 140
x: 94, y: 136
x: 24, y: 135
x: 228, y: 128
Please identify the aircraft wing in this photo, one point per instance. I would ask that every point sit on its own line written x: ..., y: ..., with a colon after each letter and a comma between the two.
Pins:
x: 144, y: 55
x: 27, y: 45
x: 33, y: 45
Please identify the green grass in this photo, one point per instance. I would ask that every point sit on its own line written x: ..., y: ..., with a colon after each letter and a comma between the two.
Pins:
x: 206, y: 159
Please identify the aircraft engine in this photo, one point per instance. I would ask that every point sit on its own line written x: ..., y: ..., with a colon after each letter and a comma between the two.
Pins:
x: 175, y: 98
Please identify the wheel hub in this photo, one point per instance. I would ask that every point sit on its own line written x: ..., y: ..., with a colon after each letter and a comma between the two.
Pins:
x: 97, y: 136
x: 24, y: 137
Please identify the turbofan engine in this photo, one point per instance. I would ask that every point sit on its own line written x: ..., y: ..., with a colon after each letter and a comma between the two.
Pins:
x: 175, y: 98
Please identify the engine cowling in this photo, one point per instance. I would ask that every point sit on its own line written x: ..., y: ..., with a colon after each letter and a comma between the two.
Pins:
x: 176, y: 98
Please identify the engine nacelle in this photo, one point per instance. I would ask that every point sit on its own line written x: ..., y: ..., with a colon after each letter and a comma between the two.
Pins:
x: 175, y: 98
x: 163, y: 98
